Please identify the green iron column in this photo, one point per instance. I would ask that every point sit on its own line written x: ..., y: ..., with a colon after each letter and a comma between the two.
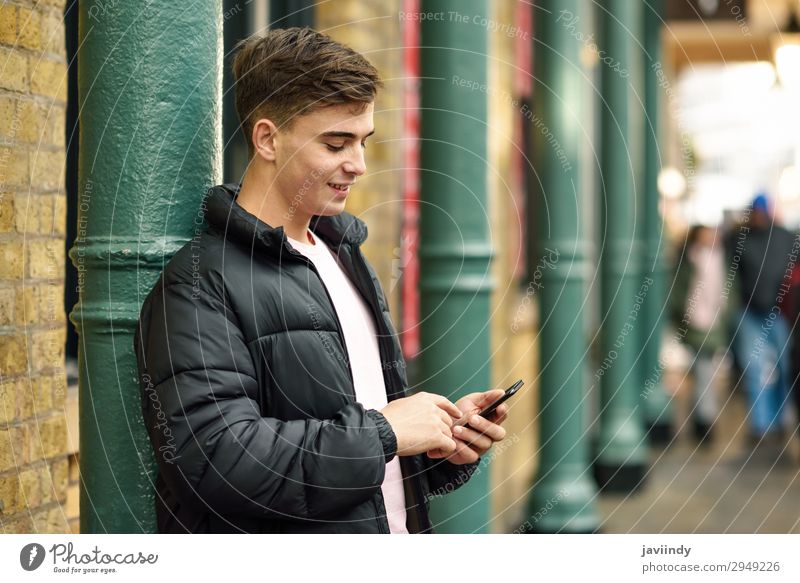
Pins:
x: 150, y: 144
x: 621, y: 457
x: 563, y: 493
x: 455, y: 251
x: 657, y: 404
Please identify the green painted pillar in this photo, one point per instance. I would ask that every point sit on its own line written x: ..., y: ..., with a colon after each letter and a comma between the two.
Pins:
x: 563, y: 493
x: 150, y: 144
x: 621, y: 456
x: 657, y: 404
x: 455, y: 251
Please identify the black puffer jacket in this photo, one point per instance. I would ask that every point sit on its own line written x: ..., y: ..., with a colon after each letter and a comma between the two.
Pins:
x: 247, y: 392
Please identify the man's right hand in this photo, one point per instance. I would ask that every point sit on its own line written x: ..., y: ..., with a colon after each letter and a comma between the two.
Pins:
x: 422, y: 422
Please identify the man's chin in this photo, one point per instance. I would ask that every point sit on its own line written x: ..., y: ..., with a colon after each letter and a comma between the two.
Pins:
x: 333, y: 209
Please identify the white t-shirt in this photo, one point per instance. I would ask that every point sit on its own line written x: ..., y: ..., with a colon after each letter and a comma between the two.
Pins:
x: 361, y: 339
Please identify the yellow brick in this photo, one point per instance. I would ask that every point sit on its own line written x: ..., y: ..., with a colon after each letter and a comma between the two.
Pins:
x: 12, y: 448
x: 34, y: 213
x: 45, y: 206
x: 33, y: 441
x: 11, y: 260
x: 59, y: 391
x: 50, y: 520
x: 55, y: 122
x: 8, y: 403
x: 30, y: 29
x: 6, y: 212
x: 59, y: 480
x: 8, y: 24
x: 47, y: 437
x: 15, y: 71
x: 26, y: 213
x: 60, y: 215
x: 48, y: 78
x: 14, y: 166
x: 47, y: 169
x: 53, y: 34
x: 51, y: 303
x: 45, y: 258
x: 13, y: 355
x: 47, y: 349
x: 27, y: 304
x: 25, y: 399
x: 43, y: 393
x: 54, y: 435
x: 30, y: 483
x: 9, y: 121
x: 31, y: 122
x: 8, y: 305
x: 21, y: 524
x: 9, y: 495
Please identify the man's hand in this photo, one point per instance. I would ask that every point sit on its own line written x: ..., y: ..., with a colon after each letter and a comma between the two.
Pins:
x: 422, y: 422
x: 478, y: 434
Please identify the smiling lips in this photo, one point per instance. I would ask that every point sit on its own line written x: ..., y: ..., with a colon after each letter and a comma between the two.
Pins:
x: 341, y: 189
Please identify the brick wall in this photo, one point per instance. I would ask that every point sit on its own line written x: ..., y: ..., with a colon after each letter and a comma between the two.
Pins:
x: 34, y: 467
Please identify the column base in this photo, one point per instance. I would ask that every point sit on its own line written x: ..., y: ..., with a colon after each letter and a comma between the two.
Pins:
x: 615, y: 479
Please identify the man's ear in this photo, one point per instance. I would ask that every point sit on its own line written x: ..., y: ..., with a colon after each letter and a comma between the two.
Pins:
x: 264, y: 139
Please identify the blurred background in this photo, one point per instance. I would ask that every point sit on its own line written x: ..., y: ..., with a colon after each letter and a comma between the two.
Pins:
x: 600, y: 198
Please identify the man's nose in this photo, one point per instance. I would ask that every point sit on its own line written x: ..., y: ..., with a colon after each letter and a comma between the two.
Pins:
x: 355, y: 163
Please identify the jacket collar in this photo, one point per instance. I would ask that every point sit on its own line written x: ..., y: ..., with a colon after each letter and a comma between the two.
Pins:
x: 222, y: 212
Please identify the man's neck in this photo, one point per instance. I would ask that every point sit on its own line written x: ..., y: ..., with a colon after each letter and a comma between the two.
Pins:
x: 270, y: 208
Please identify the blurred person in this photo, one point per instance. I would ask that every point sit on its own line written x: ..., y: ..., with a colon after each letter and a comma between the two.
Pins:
x: 759, y: 252
x: 792, y: 311
x: 698, y: 306
x: 272, y: 381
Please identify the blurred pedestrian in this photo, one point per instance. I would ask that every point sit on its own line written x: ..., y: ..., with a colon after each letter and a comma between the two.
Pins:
x: 698, y: 306
x: 761, y: 253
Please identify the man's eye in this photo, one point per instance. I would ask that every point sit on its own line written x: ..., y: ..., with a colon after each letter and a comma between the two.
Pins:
x: 333, y: 148
x: 363, y: 145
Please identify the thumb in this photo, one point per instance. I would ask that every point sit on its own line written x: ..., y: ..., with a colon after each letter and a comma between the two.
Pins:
x: 490, y: 397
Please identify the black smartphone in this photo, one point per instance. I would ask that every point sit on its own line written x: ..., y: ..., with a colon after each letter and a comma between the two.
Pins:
x: 510, y: 392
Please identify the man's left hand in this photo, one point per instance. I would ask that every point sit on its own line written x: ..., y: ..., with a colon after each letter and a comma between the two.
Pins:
x: 478, y: 434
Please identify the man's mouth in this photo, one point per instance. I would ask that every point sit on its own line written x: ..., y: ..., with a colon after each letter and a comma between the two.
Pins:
x: 340, y: 188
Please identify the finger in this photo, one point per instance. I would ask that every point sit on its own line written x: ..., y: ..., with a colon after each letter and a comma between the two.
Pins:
x: 436, y: 454
x: 464, y: 419
x: 489, y: 397
x: 447, y: 406
x: 470, y: 455
x: 447, y: 419
x: 447, y: 445
x: 473, y: 438
x: 465, y: 453
x: 500, y: 414
x: 494, y: 431
x: 445, y: 429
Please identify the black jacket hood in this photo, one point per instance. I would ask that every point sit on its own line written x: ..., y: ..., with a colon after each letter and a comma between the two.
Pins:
x: 223, y: 213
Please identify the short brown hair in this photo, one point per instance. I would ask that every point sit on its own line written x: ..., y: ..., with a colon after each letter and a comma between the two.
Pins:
x: 290, y: 72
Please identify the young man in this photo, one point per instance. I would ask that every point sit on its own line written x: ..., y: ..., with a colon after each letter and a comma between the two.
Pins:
x: 273, y: 385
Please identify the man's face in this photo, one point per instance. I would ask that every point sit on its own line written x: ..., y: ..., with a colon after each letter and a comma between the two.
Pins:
x: 320, y: 157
